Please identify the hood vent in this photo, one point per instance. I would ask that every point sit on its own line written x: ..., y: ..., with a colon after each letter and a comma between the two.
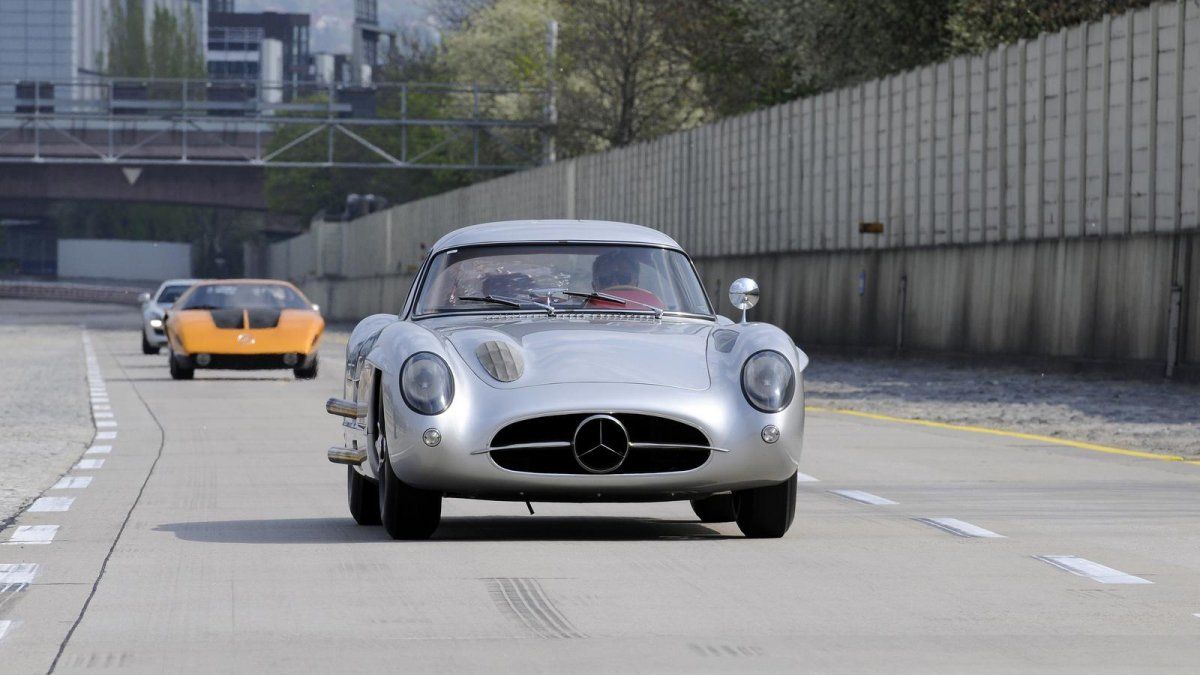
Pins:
x: 500, y: 360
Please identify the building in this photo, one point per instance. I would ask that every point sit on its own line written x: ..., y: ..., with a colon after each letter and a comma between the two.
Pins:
x: 62, y: 40
x: 365, y: 55
x: 235, y: 44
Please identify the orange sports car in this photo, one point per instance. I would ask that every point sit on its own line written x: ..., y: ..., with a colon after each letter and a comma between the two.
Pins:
x: 243, y: 324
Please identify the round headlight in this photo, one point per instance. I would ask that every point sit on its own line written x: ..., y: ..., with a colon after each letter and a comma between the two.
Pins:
x: 768, y: 381
x: 426, y: 383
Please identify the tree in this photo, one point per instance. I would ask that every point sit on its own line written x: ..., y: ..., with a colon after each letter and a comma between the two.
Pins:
x: 127, y: 53
x: 976, y: 25
x: 172, y: 50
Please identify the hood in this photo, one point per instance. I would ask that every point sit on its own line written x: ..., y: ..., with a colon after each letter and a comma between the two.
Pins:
x: 588, y: 348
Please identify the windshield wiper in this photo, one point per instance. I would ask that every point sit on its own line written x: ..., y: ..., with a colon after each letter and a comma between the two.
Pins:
x: 202, y: 307
x: 509, y: 302
x: 596, y: 295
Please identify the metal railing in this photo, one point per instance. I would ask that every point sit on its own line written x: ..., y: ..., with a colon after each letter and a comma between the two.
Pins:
x: 232, y: 122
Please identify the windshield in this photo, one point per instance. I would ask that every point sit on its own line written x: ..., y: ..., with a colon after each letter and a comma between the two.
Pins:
x: 245, y: 296
x: 170, y: 294
x: 562, y: 277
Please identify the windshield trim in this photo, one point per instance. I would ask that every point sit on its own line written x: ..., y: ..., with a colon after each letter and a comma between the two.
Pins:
x: 409, y: 312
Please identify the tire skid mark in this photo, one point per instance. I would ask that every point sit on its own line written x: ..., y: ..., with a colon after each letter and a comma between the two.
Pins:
x: 525, y: 599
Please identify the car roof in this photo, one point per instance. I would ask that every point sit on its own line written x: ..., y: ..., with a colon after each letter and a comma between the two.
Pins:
x: 243, y: 282
x: 180, y: 282
x: 520, y: 231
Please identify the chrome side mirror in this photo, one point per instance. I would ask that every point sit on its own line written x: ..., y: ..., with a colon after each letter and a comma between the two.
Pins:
x: 143, y: 298
x: 743, y: 295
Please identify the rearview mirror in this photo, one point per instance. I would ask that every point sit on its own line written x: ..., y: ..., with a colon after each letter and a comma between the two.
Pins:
x: 143, y: 298
x: 743, y: 295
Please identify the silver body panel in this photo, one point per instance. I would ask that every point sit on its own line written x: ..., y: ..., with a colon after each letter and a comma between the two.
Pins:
x: 682, y: 368
x: 157, y: 337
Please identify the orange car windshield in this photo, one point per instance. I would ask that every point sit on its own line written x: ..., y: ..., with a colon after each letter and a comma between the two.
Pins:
x: 244, y: 296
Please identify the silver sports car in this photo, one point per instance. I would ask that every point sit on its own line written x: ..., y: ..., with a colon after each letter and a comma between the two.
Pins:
x: 154, y: 307
x: 569, y: 361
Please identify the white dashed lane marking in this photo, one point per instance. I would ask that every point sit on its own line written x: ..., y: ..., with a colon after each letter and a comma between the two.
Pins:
x: 4, y: 626
x: 90, y: 464
x: 17, y: 573
x: 960, y: 527
x: 99, y: 450
x: 46, y: 504
x: 105, y: 435
x: 1092, y: 570
x: 72, y: 483
x: 101, y: 415
x: 863, y: 497
x: 105, y: 423
x: 33, y: 534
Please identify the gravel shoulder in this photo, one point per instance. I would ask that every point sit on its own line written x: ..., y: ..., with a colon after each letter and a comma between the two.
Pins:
x: 1147, y: 415
x: 43, y: 403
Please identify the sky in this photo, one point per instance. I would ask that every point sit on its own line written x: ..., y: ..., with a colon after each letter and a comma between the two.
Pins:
x: 331, y: 19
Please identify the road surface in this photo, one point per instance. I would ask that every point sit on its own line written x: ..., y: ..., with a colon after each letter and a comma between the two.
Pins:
x: 213, y: 536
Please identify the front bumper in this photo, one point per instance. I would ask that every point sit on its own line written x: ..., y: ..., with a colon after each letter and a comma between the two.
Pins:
x: 458, y: 468
x: 246, y: 361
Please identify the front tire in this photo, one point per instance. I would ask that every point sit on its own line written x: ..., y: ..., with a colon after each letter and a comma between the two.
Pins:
x: 148, y: 348
x: 179, y: 372
x: 406, y: 512
x: 715, y: 509
x: 363, y: 495
x: 308, y: 372
x: 766, y: 512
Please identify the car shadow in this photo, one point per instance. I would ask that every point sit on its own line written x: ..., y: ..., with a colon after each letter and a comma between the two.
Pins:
x: 452, y: 528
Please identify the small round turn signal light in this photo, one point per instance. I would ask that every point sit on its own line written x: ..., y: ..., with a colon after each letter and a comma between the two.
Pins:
x: 432, y: 437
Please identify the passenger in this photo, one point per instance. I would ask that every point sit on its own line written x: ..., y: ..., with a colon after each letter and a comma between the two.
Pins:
x: 617, y: 273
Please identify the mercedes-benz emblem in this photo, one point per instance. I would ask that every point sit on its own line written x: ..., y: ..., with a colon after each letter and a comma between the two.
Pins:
x: 601, y: 444
x: 245, y: 339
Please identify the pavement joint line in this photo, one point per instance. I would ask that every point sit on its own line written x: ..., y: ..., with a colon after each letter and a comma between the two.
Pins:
x: 162, y: 440
x: 863, y: 497
x: 1141, y: 454
x: 960, y: 527
x: 32, y: 534
x: 1091, y: 570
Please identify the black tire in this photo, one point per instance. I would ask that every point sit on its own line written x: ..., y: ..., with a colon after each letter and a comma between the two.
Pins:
x: 363, y: 495
x: 405, y: 511
x: 148, y: 348
x: 766, y: 512
x: 715, y: 509
x: 308, y: 372
x: 179, y: 372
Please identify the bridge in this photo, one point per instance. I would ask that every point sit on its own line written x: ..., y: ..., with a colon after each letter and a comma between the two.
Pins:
x: 208, y: 142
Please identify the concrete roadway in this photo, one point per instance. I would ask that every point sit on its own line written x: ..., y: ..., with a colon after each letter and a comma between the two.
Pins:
x: 215, y: 538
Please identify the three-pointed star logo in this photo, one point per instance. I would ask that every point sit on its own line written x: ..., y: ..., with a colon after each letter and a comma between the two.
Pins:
x: 601, y: 444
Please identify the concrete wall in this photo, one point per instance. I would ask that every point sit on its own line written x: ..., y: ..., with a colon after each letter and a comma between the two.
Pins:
x: 1033, y: 195
x: 129, y: 260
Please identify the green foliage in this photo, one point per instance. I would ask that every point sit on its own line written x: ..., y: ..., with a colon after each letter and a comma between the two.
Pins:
x: 976, y: 25
x: 172, y: 51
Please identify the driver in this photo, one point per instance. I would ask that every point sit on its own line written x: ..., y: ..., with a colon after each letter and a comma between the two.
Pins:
x: 617, y: 273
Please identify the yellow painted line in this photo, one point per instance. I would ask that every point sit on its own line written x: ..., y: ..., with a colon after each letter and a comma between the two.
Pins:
x: 1010, y: 434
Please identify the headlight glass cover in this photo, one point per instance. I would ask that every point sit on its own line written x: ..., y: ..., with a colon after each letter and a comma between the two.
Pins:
x: 768, y: 381
x: 426, y: 383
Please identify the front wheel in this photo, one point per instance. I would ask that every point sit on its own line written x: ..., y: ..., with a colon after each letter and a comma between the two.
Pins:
x: 308, y: 372
x: 715, y: 509
x: 148, y: 348
x: 406, y: 512
x: 179, y: 372
x: 766, y: 512
x: 363, y: 495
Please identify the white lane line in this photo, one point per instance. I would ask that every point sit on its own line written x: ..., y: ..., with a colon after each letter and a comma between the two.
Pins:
x: 102, y: 415
x: 863, y: 497
x: 51, y: 504
x: 33, y: 534
x: 72, y: 483
x: 105, y: 435
x: 18, y: 573
x: 90, y: 464
x: 805, y: 478
x: 1092, y: 570
x: 960, y: 527
x: 4, y: 626
x: 99, y: 450
x: 106, y: 423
